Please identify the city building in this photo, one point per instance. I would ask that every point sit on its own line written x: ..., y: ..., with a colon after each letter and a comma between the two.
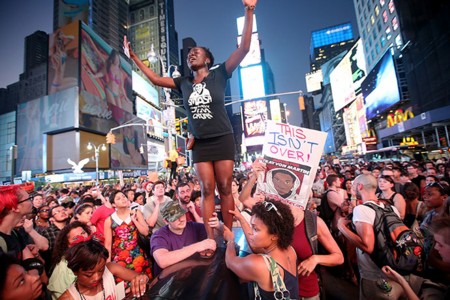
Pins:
x: 328, y: 42
x: 328, y: 47
x: 109, y: 19
x: 379, y: 28
x: 7, y: 142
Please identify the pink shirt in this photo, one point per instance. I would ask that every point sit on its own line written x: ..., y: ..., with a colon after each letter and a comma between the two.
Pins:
x: 99, y: 216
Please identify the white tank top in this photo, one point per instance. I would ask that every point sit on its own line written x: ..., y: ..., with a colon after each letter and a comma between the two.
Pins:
x: 108, y: 285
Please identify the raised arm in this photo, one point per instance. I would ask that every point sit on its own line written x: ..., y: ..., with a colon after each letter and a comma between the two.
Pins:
x: 244, y: 47
x: 166, y: 82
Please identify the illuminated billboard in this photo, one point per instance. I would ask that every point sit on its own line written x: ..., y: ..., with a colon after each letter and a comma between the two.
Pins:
x: 240, y: 24
x: 331, y: 35
x: 254, y: 55
x: 380, y: 88
x: 347, y: 77
x: 104, y: 73
x: 329, y: 66
x: 255, y: 116
x: 35, y: 118
x: 275, y: 110
x: 63, y: 63
x: 252, y: 80
x: 144, y: 89
x: 314, y: 81
x: 152, y: 116
x: 71, y: 11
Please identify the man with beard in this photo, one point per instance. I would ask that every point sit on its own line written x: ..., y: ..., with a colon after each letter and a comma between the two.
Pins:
x: 184, y: 192
x: 59, y: 219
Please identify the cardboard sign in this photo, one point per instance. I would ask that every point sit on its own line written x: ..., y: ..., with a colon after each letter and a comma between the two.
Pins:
x: 291, y: 155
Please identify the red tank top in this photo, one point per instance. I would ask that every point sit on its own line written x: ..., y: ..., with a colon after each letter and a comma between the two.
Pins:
x: 308, y: 285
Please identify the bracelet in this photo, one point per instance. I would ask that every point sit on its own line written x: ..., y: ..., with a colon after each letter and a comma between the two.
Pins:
x: 230, y: 241
x: 250, y: 7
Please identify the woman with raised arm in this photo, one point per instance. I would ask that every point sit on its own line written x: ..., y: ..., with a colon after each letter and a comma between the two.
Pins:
x: 203, y: 97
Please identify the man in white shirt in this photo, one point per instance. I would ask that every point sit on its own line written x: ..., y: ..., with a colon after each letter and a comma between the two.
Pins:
x: 374, y: 284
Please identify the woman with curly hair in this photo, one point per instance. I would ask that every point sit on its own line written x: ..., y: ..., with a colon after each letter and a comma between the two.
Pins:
x: 272, y: 226
x: 61, y: 276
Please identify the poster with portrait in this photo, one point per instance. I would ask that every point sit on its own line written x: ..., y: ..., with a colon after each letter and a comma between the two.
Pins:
x: 291, y: 155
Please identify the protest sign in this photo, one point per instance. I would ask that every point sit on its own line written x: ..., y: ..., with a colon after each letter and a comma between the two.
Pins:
x: 291, y: 155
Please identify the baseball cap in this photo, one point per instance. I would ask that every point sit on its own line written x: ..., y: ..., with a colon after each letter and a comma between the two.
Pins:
x: 171, y: 211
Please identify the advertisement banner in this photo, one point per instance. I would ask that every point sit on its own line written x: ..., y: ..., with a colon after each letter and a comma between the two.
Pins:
x: 291, y: 155
x: 63, y: 57
x: 71, y: 11
x: 47, y: 114
x: 105, y: 77
x: 255, y: 116
x: 125, y: 153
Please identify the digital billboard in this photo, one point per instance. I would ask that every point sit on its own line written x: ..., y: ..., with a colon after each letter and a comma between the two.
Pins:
x: 254, y: 55
x: 331, y: 35
x: 152, y: 116
x: 380, y: 88
x: 104, y: 73
x: 329, y: 66
x: 125, y: 153
x: 63, y: 58
x: 71, y: 11
x: 240, y: 24
x: 52, y: 113
x: 144, y: 89
x: 255, y: 116
x: 314, y: 81
x: 347, y: 77
x: 252, y: 79
x: 275, y: 110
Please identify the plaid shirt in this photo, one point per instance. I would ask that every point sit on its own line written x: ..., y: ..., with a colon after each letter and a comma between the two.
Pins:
x: 50, y: 234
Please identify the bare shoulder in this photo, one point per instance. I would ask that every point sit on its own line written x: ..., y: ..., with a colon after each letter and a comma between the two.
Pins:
x: 66, y: 296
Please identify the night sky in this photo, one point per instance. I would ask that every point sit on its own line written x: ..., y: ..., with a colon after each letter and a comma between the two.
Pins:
x: 284, y: 28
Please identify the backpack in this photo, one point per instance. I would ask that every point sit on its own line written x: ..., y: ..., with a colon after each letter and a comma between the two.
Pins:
x: 324, y: 209
x: 395, y: 244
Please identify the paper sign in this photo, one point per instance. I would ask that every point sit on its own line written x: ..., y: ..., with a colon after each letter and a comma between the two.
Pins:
x: 291, y: 155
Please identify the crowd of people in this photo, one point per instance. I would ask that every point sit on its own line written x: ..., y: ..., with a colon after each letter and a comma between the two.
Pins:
x: 137, y: 230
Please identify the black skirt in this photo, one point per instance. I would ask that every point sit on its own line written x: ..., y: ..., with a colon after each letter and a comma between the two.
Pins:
x: 213, y: 149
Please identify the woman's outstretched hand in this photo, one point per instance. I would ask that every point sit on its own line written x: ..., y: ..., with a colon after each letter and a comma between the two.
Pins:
x: 126, y: 47
x: 249, y: 2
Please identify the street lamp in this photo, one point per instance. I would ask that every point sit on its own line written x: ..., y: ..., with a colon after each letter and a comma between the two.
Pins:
x: 97, y: 149
x: 153, y: 57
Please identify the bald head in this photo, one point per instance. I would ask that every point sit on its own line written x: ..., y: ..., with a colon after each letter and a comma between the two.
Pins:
x: 368, y: 181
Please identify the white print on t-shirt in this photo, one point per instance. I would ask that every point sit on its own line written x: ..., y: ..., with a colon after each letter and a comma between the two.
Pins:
x: 199, y: 102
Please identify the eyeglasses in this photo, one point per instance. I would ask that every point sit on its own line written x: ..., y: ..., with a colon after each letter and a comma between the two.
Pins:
x: 270, y: 206
x: 25, y: 200
x: 58, y: 212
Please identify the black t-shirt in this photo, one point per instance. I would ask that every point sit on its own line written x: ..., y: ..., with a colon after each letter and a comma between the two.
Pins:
x: 205, y: 103
x: 15, y: 242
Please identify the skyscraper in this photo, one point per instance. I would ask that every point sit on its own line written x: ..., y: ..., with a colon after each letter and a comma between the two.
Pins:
x: 379, y: 27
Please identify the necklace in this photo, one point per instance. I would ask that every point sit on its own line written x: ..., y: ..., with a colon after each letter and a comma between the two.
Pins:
x: 82, y: 297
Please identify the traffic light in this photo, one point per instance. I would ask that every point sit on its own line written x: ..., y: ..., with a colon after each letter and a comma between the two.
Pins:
x: 301, y: 103
x: 184, y: 125
x: 110, y: 138
x: 177, y: 126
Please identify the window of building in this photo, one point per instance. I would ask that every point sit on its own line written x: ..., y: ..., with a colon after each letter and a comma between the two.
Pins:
x: 368, y: 27
x: 377, y: 10
x: 372, y: 54
x: 391, y: 6
x: 382, y: 2
x: 385, y: 16
x: 398, y: 41
x: 141, y: 15
x: 152, y: 11
x: 388, y: 33
x: 369, y: 60
x: 379, y: 26
x: 372, y: 19
x: 394, y: 23
x: 377, y: 48
x: 363, y: 34
x: 374, y: 35
x: 383, y: 41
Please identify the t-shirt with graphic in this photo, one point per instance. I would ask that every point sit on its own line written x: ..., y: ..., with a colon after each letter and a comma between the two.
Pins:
x: 205, y: 103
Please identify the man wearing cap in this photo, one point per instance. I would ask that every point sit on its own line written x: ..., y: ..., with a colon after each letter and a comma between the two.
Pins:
x: 179, y: 239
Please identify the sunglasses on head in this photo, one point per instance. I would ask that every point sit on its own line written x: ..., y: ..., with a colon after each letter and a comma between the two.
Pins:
x: 270, y: 206
x: 436, y: 184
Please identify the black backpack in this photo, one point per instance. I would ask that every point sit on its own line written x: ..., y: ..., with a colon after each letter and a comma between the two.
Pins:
x: 324, y: 209
x: 395, y: 244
